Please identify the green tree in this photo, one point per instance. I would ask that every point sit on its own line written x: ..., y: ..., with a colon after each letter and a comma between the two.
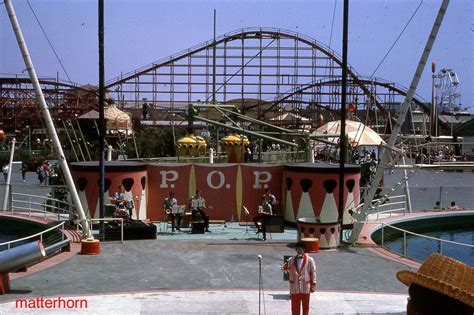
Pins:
x: 156, y: 142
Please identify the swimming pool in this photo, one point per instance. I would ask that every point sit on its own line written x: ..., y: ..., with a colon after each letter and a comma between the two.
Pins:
x: 453, y: 227
x: 15, y: 228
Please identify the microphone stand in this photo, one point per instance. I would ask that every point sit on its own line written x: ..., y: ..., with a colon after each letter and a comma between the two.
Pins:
x: 260, y: 287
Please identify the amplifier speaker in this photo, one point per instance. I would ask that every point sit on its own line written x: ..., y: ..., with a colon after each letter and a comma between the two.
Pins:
x: 276, y: 224
x: 198, y: 227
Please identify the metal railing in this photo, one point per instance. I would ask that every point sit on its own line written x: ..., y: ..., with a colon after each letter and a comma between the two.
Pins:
x: 40, y: 234
x: 395, y: 205
x: 405, y: 242
x: 51, y: 208
x: 265, y: 157
x: 41, y: 206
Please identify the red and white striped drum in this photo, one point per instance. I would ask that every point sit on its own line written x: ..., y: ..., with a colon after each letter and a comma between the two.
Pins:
x: 311, y: 191
x: 329, y: 234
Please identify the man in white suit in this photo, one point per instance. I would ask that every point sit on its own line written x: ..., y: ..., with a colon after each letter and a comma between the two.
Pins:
x: 302, y: 279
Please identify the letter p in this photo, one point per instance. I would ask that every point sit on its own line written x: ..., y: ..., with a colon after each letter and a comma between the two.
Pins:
x: 168, y: 176
x: 261, y: 177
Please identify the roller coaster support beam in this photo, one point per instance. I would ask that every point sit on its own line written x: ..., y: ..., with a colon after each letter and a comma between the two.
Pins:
x: 225, y: 108
x: 318, y: 137
x: 247, y: 132
x: 361, y: 216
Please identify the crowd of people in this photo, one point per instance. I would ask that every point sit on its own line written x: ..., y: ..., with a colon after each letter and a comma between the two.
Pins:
x: 445, y: 153
x: 46, y: 172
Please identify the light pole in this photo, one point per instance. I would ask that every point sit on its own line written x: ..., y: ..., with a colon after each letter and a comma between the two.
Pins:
x: 29, y: 140
x: 433, y: 114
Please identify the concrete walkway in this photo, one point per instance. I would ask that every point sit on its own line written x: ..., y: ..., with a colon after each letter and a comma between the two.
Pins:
x: 224, y: 302
x: 211, y: 277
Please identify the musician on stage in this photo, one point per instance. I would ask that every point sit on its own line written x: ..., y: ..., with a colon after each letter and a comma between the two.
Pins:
x: 168, y: 204
x: 264, y: 214
x: 197, y: 204
x: 123, y: 202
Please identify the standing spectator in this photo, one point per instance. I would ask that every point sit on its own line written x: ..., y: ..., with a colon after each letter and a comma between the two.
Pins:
x: 145, y: 108
x: 46, y: 173
x: 24, y: 168
x: 40, y: 173
x: 373, y: 156
x: 5, y: 171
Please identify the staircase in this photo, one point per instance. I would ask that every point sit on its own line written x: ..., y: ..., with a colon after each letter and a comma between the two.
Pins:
x: 72, y: 234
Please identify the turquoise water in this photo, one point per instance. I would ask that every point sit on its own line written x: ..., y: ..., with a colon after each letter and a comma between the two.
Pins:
x: 420, y: 248
x: 458, y: 229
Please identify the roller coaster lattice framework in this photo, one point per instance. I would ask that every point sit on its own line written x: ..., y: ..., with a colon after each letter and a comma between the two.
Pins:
x: 263, y: 71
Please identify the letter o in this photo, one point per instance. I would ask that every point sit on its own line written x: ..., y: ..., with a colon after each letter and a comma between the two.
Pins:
x: 221, y: 179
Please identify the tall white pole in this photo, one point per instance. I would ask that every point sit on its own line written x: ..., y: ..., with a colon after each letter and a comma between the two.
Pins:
x: 48, y: 121
x: 374, y: 185
x: 407, y: 185
x: 9, y: 176
x: 433, y: 114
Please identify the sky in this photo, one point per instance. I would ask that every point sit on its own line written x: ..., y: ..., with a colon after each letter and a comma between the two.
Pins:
x: 139, y: 32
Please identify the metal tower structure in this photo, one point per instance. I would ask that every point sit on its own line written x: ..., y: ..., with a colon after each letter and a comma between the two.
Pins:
x: 19, y: 107
x: 263, y: 71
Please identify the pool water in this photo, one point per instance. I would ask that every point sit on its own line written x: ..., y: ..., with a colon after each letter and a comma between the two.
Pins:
x: 420, y: 248
x: 458, y: 229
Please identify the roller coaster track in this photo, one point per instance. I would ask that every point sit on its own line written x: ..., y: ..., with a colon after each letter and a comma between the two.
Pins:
x: 246, y: 33
x: 418, y: 100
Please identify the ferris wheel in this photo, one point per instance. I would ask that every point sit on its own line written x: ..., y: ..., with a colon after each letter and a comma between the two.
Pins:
x: 448, y: 99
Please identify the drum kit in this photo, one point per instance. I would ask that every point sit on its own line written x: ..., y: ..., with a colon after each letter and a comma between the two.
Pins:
x: 122, y: 208
x: 122, y: 213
